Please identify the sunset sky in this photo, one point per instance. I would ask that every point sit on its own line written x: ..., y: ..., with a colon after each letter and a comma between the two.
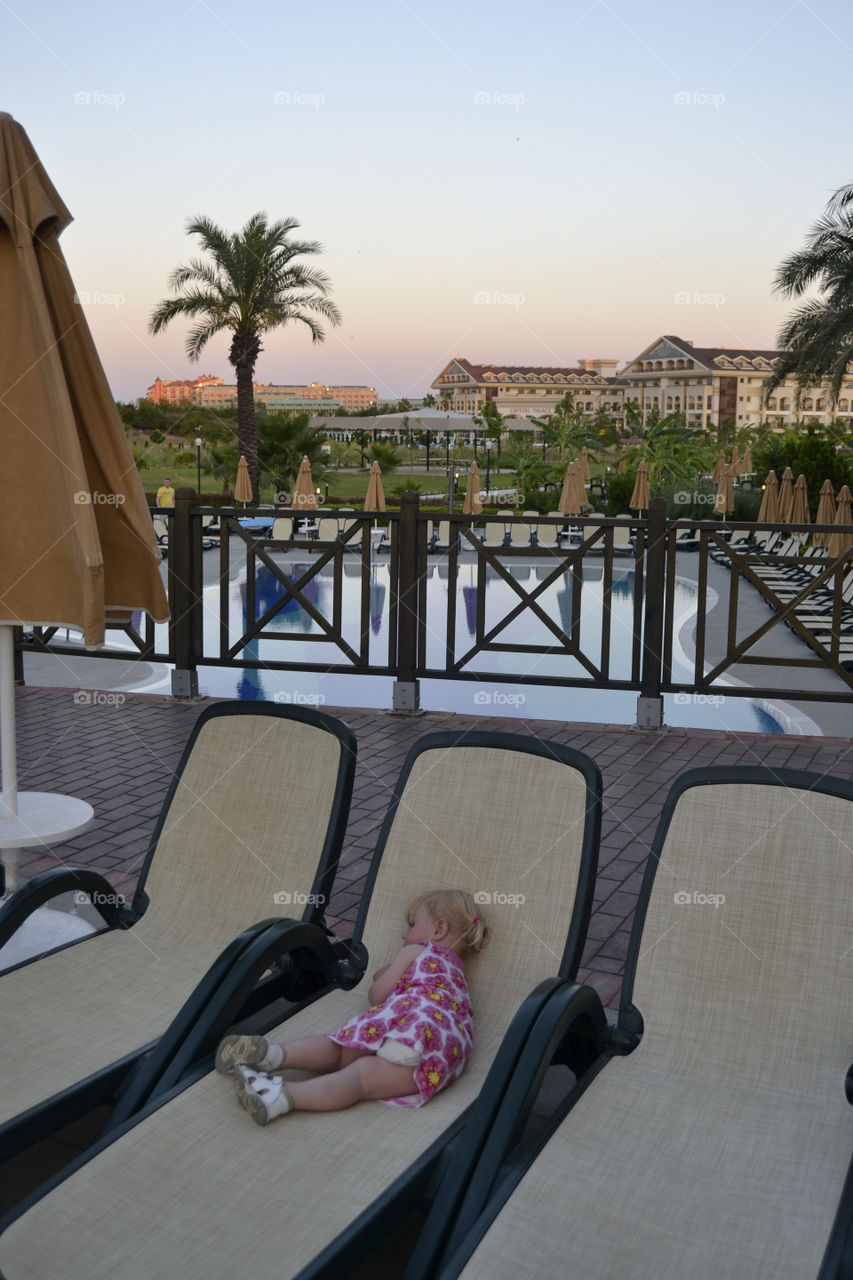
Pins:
x: 511, y: 183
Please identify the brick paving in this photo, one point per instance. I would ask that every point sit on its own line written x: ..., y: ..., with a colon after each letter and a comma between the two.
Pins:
x: 121, y: 759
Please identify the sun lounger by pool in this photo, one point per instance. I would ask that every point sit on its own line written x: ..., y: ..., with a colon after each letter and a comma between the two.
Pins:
x: 195, y: 1190
x: 250, y: 832
x: 720, y: 1147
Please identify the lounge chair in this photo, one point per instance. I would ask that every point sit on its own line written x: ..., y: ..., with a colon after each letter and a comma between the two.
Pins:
x: 442, y: 541
x: 623, y: 541
x: 720, y: 1146
x: 327, y: 528
x: 351, y: 540
x: 250, y: 831
x: 282, y: 529
x: 161, y: 533
x: 194, y: 1189
x: 522, y: 535
x: 547, y: 536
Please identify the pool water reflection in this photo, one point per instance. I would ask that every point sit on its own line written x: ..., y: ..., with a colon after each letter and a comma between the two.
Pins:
x: 498, y: 698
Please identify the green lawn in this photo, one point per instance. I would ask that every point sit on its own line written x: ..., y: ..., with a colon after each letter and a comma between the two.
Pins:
x: 342, y: 484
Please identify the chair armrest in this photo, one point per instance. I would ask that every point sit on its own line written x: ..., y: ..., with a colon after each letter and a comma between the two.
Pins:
x: 218, y: 1000
x: 52, y: 884
x: 569, y: 1013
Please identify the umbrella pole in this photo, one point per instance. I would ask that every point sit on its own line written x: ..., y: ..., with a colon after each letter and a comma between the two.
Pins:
x: 8, y: 759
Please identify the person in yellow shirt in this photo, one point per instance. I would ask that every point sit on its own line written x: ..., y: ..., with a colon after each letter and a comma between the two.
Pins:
x: 166, y: 494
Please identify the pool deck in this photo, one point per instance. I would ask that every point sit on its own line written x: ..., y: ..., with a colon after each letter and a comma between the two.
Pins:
x: 120, y: 758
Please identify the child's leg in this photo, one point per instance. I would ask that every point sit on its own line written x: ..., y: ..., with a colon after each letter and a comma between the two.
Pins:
x: 310, y: 1053
x: 366, y: 1077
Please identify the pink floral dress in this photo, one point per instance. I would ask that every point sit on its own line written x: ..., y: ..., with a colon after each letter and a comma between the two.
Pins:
x: 430, y: 1011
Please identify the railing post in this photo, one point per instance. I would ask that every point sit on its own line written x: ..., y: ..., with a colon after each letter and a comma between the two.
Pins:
x: 184, y: 601
x: 406, y: 698
x: 650, y: 701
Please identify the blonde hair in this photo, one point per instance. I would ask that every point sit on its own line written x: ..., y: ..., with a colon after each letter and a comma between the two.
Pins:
x: 459, y: 910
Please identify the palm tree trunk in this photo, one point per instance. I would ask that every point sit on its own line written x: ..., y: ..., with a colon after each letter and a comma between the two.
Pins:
x: 243, y: 354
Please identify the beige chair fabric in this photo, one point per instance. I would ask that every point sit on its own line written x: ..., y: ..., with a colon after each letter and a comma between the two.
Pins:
x: 719, y: 1147
x: 282, y: 529
x: 196, y: 1189
x: 248, y: 821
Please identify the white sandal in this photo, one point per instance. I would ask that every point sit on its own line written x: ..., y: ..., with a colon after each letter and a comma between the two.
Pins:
x: 265, y: 1097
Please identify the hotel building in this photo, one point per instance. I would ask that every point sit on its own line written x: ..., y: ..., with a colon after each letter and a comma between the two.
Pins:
x: 530, y: 391
x: 213, y: 392
x: 709, y: 385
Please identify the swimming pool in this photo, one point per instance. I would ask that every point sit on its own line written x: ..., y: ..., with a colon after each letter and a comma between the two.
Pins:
x: 495, y: 697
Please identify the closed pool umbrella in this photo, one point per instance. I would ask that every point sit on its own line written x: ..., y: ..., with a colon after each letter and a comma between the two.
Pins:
x: 841, y: 542
x: 622, y: 468
x: 641, y: 496
x: 585, y: 473
x: 800, y: 505
x: 375, y: 497
x: 724, y: 503
x: 737, y: 469
x: 472, y: 506
x: 786, y: 495
x: 746, y: 467
x: 304, y: 496
x: 719, y: 468
x: 768, y: 512
x: 243, y: 487
x: 568, y: 502
x: 825, y: 513
x: 75, y: 529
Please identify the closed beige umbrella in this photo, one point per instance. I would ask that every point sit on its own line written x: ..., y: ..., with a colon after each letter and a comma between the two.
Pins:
x: 737, y: 469
x: 768, y: 512
x: 585, y: 473
x: 800, y: 505
x: 580, y: 497
x: 374, y: 499
x: 243, y: 487
x: 75, y: 529
x: 622, y: 468
x: 724, y: 503
x: 746, y: 466
x: 786, y: 495
x: 568, y: 503
x: 825, y: 513
x: 304, y: 497
x: 719, y: 468
x: 472, y: 506
x: 841, y: 542
x: 641, y: 496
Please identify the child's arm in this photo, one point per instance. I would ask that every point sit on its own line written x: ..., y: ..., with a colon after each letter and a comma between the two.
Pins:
x: 386, y: 979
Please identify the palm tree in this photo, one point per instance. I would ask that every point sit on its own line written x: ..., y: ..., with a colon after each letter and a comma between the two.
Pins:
x: 669, y: 448
x: 569, y: 428
x: 818, y: 337
x: 284, y: 439
x: 248, y: 282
